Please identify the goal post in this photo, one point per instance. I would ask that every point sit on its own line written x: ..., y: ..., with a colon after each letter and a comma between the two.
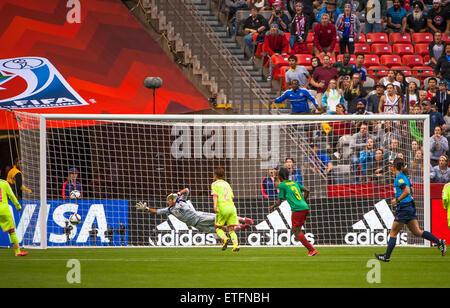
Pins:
x: 123, y: 159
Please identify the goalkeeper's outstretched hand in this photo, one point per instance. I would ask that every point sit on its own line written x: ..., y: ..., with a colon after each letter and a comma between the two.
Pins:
x: 142, y: 206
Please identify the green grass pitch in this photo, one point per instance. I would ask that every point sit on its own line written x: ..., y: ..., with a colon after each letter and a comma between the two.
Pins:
x: 268, y: 267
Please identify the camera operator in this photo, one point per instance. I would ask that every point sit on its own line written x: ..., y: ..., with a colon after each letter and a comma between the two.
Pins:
x: 67, y: 230
x: 279, y: 17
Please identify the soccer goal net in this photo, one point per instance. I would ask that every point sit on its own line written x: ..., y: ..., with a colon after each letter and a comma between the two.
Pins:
x: 100, y: 166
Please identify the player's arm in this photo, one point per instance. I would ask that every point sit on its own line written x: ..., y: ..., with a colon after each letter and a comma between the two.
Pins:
x: 13, y: 198
x: 305, y: 192
x: 405, y: 192
x: 215, y: 203
x: 276, y: 204
x: 184, y: 192
x: 142, y: 206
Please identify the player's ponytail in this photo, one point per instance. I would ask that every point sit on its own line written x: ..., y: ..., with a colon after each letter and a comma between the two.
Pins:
x: 399, y: 165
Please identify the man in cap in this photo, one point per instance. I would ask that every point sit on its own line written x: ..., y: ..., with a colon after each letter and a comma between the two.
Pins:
x: 442, y: 98
x: 330, y: 9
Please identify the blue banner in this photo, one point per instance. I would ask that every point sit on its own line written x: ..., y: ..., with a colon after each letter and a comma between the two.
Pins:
x: 103, y: 223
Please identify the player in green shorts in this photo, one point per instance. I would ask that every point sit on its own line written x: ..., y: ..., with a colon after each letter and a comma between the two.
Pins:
x: 446, y: 201
x: 225, y: 209
x: 6, y: 219
x: 294, y: 194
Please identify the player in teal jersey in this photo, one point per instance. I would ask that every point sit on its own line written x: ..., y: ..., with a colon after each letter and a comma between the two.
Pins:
x: 6, y: 219
x: 225, y: 209
x: 295, y: 194
x: 405, y: 213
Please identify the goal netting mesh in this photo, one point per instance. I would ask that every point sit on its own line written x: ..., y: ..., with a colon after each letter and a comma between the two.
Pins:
x: 345, y: 163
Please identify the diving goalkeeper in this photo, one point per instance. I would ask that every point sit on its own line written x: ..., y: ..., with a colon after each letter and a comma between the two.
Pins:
x: 181, y: 208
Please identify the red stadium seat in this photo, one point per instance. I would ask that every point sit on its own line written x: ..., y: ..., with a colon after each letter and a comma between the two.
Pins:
x: 371, y: 60
x: 403, y: 49
x: 445, y: 38
x: 310, y: 37
x: 282, y: 76
x: 352, y: 58
x: 421, y: 49
x: 361, y: 38
x: 381, y: 49
x: 310, y: 47
x: 407, y: 71
x: 398, y: 38
x: 413, y: 60
x: 373, y: 38
x: 422, y: 37
x: 378, y: 71
x: 424, y: 72
x: 303, y: 59
x: 390, y: 60
x: 363, y: 48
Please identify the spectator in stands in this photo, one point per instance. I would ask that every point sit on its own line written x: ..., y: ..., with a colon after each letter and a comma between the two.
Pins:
x: 378, y: 171
x: 400, y: 77
x: 344, y: 67
x: 373, y: 100
x: 294, y: 174
x: 322, y: 76
x: 324, y: 37
x: 275, y: 43
x: 411, y: 97
x: 268, y: 186
x: 438, y: 18
x: 438, y: 146
x: 417, y: 167
x: 447, y: 128
x: 390, y: 102
x: 296, y: 72
x: 396, y: 18
x: 442, y: 98
x: 441, y: 172
x: 309, y: 6
x: 298, y: 98
x: 254, y: 24
x: 354, y: 93
x: 348, y: 29
x: 416, y: 21
x: 234, y: 6
x: 393, y: 151
x: 332, y: 98
x: 436, y: 119
x: 366, y: 158
x: 390, y: 78
x: 423, y: 97
x: 432, y: 88
x: 315, y: 63
x: 361, y: 105
x: 341, y: 5
x: 273, y: 3
x: 279, y: 17
x: 319, y: 162
x: 436, y: 49
x: 259, y: 4
x: 375, y: 14
x: 299, y: 31
x: 330, y: 9
x: 414, y: 148
x: 358, y: 67
x: 442, y: 68
x: 386, y: 134
x: 357, y: 145
x: 72, y: 184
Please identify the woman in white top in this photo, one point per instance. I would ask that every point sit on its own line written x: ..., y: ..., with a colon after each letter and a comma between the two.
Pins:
x: 332, y: 97
x: 391, y: 102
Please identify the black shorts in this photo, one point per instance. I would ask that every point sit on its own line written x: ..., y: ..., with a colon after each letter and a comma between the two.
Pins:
x: 405, y: 212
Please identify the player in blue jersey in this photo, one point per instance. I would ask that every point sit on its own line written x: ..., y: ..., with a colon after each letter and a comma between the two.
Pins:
x: 405, y: 213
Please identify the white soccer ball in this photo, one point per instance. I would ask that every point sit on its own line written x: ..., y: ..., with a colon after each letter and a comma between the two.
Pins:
x: 75, y: 219
x: 75, y: 194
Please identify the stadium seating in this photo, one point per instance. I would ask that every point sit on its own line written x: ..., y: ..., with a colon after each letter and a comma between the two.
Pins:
x: 363, y: 48
x: 304, y: 59
x: 390, y: 60
x: 398, y: 38
x: 422, y: 38
x: 374, y: 38
x: 371, y: 60
x: 310, y: 37
x: 421, y: 49
x: 406, y: 70
x: 377, y: 72
x: 403, y: 49
x: 381, y: 48
x: 413, y: 60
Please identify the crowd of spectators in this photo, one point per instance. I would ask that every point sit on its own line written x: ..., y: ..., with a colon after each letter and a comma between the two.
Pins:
x: 340, y: 78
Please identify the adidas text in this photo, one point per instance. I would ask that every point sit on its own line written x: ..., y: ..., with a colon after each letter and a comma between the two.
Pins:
x: 370, y: 238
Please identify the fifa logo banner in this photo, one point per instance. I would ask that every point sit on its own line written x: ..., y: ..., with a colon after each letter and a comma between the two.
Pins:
x: 33, y: 82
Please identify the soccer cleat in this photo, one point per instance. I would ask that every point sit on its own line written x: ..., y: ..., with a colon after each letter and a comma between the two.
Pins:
x: 443, y: 247
x: 235, y: 248
x: 21, y: 254
x: 382, y: 258
x: 225, y: 244
x: 312, y: 253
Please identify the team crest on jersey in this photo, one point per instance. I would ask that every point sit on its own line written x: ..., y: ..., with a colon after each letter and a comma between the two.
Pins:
x: 33, y: 82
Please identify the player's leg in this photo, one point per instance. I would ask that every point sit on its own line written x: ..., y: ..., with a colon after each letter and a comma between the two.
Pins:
x: 245, y: 220
x: 15, y: 242
x: 7, y: 224
x: 233, y: 221
x: 219, y: 225
x: 413, y: 226
x: 298, y: 220
x: 396, y: 228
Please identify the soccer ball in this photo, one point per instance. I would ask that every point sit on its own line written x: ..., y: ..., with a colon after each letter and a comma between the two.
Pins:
x: 75, y: 219
x: 75, y: 194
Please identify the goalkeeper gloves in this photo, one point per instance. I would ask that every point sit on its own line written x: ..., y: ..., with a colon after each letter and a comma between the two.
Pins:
x: 142, y: 206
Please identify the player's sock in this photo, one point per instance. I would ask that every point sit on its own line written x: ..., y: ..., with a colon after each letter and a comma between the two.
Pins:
x: 233, y: 238
x: 428, y: 236
x: 15, y: 242
x: 305, y: 242
x: 248, y: 221
x: 391, y: 244
x: 221, y: 234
